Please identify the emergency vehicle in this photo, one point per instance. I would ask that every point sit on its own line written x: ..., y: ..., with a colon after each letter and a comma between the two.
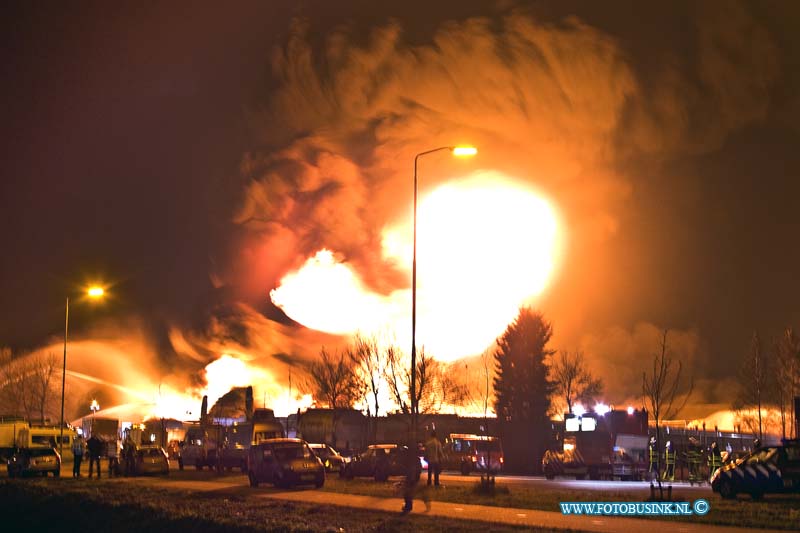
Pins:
x: 771, y: 469
x: 606, y: 444
x: 467, y: 453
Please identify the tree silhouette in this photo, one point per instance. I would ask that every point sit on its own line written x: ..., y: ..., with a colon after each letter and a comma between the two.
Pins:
x: 661, y: 390
x: 333, y: 380
x: 572, y: 380
x: 754, y: 382
x: 522, y: 389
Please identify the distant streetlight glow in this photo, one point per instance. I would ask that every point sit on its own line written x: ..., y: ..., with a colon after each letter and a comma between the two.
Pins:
x: 630, y: 409
x: 464, y: 151
x: 95, y: 292
x: 460, y: 151
x: 578, y: 410
x: 601, y: 408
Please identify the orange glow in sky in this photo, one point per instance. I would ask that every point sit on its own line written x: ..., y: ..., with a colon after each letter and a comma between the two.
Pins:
x: 486, y: 244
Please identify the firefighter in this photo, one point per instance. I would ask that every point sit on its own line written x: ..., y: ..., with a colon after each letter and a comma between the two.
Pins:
x: 669, y: 460
x: 654, y: 466
x: 714, y: 460
x: 693, y: 461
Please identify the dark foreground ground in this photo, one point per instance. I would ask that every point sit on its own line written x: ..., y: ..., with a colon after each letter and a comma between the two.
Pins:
x: 69, y: 505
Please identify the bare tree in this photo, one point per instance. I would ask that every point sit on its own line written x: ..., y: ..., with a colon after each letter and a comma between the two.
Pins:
x: 333, y: 380
x: 26, y: 383
x: 754, y: 382
x: 451, y: 386
x: 42, y: 370
x: 15, y: 384
x: 398, y: 378
x: 437, y: 384
x: 370, y: 366
x: 572, y: 379
x: 487, y: 372
x: 787, y: 355
x: 663, y: 389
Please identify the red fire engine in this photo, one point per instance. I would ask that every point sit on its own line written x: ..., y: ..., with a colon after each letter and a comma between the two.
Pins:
x: 609, y: 445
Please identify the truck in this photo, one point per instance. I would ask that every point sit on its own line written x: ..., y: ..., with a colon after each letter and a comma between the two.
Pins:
x: 105, y: 429
x: 344, y: 429
x: 601, y: 446
x: 10, y: 426
x: 200, y: 445
x: 47, y: 436
x: 240, y: 436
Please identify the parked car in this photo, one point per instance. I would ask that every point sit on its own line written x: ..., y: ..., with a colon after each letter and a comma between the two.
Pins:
x: 330, y: 458
x: 467, y: 453
x: 34, y: 461
x: 284, y: 463
x: 147, y: 459
x: 772, y: 469
x: 378, y: 461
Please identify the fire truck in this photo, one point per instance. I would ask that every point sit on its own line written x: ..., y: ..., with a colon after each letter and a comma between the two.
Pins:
x: 605, y: 445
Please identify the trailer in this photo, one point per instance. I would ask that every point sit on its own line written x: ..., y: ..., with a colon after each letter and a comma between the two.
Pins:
x: 612, y: 445
x: 10, y: 426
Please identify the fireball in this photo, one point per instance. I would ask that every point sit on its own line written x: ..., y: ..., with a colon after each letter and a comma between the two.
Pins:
x: 485, y: 245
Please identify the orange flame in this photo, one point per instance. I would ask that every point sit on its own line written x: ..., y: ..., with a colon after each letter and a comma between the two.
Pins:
x: 485, y: 245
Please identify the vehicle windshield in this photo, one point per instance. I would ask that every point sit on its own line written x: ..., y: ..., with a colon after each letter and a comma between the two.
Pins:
x: 322, y: 450
x: 474, y: 445
x: 286, y: 452
x: 152, y: 452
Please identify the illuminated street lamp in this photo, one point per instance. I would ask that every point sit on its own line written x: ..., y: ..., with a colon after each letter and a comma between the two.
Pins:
x: 95, y: 292
x: 94, y: 408
x: 458, y: 151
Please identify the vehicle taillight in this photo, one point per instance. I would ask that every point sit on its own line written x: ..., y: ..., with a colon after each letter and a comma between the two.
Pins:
x: 474, y: 459
x: 501, y: 460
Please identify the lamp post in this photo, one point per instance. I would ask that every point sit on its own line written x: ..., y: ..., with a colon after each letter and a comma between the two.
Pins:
x: 458, y: 151
x: 94, y: 408
x: 95, y: 292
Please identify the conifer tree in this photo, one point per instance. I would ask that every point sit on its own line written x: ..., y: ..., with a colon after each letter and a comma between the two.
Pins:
x: 523, y: 390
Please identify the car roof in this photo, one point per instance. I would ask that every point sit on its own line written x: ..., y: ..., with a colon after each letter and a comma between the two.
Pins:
x: 284, y: 440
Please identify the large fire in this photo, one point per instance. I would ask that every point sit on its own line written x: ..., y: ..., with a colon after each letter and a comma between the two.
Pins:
x: 486, y: 244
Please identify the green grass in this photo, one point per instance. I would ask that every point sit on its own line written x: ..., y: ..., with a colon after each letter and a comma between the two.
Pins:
x: 775, y: 511
x: 69, y: 505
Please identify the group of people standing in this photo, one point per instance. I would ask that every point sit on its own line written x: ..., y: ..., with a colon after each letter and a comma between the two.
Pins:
x: 93, y: 447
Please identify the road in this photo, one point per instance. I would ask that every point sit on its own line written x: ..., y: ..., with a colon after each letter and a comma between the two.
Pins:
x: 531, y: 482
x: 539, y: 482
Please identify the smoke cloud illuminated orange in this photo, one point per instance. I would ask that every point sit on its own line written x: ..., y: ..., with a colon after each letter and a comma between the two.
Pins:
x: 486, y: 245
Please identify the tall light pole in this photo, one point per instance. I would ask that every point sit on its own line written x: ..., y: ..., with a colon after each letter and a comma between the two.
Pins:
x: 94, y: 407
x: 94, y: 292
x: 458, y: 151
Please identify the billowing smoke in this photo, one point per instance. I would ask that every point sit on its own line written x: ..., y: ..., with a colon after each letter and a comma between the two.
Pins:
x: 561, y: 107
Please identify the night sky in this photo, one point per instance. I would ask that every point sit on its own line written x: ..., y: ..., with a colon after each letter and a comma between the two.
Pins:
x: 138, y: 136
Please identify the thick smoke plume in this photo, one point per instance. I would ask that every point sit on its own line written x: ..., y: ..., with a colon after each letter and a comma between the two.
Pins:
x: 563, y: 106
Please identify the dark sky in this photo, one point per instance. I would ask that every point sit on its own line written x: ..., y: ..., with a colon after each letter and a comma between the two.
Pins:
x: 124, y: 125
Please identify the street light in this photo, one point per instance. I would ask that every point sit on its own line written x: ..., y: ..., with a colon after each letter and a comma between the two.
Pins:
x: 94, y: 408
x: 458, y: 151
x: 95, y: 292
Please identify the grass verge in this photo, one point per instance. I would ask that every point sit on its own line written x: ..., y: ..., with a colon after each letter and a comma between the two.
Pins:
x: 69, y: 505
x: 774, y: 511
